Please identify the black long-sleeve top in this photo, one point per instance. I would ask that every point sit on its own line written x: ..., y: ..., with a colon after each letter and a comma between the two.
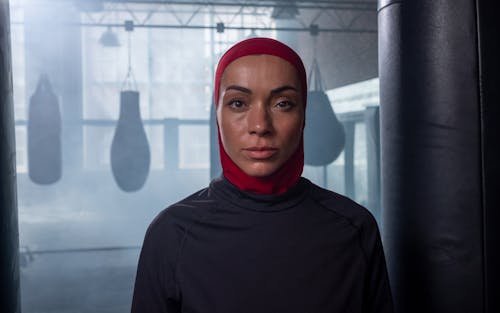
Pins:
x: 222, y: 250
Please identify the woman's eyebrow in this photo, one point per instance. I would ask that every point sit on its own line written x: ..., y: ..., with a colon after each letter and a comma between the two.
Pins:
x: 239, y: 88
x: 283, y: 88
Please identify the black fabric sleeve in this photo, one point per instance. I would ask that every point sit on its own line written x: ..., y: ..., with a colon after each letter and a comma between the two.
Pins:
x: 155, y: 288
x: 378, y: 296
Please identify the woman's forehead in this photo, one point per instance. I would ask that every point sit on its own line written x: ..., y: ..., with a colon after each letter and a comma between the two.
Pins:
x: 260, y: 67
x: 255, y: 47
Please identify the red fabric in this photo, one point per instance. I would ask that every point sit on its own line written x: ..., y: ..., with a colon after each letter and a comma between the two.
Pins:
x: 288, y: 175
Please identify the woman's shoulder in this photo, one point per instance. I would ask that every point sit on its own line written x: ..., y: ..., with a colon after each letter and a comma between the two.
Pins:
x: 344, y: 207
x: 360, y: 219
x: 182, y: 214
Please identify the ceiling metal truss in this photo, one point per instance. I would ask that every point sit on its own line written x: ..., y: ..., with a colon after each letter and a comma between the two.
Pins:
x: 312, y: 16
x: 300, y: 4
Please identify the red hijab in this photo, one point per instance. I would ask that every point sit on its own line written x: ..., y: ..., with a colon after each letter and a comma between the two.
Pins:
x: 288, y: 175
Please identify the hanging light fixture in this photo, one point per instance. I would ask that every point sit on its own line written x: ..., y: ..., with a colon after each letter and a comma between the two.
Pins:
x: 288, y: 12
x: 109, y: 39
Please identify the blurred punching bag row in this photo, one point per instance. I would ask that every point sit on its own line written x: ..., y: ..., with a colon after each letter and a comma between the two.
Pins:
x: 44, y: 135
x: 324, y: 135
x: 130, y: 155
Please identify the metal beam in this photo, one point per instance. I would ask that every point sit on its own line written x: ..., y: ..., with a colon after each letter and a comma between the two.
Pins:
x: 142, y: 13
x: 367, y: 5
x: 173, y: 26
x: 329, y: 5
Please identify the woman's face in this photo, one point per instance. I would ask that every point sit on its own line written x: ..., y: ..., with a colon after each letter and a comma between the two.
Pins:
x: 260, y: 113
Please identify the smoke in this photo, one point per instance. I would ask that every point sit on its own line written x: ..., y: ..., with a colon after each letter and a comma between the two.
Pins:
x: 80, y: 236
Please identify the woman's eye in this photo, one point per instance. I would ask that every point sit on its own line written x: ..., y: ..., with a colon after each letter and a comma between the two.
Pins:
x: 236, y: 104
x: 284, y: 104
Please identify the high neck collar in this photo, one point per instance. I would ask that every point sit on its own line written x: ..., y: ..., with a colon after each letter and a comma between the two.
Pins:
x: 224, y: 190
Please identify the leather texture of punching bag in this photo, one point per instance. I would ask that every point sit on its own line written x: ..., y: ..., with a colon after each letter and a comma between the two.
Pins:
x: 488, y: 25
x: 324, y: 136
x: 440, y: 123
x: 44, y: 135
x: 9, y: 232
x: 130, y: 155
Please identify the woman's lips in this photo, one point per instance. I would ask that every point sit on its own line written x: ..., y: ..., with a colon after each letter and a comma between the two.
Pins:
x: 260, y: 153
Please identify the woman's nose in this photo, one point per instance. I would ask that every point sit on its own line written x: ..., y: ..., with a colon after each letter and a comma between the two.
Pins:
x: 259, y: 120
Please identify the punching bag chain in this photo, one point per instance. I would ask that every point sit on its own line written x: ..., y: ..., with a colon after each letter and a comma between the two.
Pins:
x: 129, y: 83
x: 317, y: 84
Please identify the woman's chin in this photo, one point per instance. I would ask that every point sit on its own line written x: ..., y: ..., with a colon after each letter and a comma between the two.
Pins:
x: 260, y: 170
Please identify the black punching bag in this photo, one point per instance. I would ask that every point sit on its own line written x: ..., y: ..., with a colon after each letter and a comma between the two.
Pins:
x: 130, y: 156
x: 9, y: 234
x: 440, y: 122
x: 44, y: 135
x: 324, y: 136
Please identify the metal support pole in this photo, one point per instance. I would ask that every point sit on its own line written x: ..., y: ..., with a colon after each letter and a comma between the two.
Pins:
x: 349, y: 159
x: 372, y: 125
x: 9, y: 235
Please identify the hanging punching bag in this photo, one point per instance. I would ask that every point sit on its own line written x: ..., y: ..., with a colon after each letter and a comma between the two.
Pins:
x: 44, y: 135
x: 324, y: 136
x: 130, y: 155
x: 440, y: 122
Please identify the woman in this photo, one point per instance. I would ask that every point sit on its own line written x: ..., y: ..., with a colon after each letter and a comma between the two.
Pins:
x: 261, y: 238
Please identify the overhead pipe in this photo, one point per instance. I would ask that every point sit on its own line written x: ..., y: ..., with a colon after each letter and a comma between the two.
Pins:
x: 202, y: 27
